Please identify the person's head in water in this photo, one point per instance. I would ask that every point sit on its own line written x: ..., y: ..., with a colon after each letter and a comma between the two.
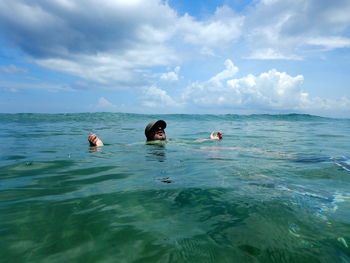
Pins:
x: 155, y: 130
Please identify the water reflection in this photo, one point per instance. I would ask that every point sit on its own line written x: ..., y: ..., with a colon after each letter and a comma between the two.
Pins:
x: 156, y: 152
x: 93, y: 149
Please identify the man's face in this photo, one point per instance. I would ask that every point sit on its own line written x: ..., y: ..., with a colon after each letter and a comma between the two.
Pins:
x: 159, y: 134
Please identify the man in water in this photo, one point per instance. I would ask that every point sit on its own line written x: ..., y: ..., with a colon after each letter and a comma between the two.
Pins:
x: 154, y: 131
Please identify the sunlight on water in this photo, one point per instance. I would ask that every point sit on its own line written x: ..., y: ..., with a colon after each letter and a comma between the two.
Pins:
x: 275, y: 189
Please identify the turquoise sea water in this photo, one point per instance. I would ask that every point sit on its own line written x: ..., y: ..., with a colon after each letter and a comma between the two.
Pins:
x: 275, y: 189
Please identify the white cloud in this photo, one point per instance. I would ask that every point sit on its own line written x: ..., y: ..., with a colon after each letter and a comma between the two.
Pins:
x: 272, y: 90
x: 106, y: 42
x: 111, y: 69
x: 207, y: 51
x: 270, y: 53
x: 12, y: 69
x: 109, y: 42
x: 19, y: 86
x: 230, y: 71
x: 105, y: 105
x: 171, y: 76
x: 220, y: 30
x: 155, y: 97
x: 283, y: 29
x: 330, y: 42
x: 318, y: 104
x: 116, y: 44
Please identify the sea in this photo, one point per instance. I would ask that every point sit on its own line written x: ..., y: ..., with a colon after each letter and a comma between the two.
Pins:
x: 276, y: 188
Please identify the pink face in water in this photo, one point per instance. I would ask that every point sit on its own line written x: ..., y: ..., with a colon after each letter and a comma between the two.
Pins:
x: 159, y: 134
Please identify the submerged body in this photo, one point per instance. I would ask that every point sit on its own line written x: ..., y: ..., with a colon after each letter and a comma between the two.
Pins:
x: 154, y: 131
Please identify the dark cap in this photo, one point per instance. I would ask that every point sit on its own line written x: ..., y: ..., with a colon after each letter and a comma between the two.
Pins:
x: 149, y: 128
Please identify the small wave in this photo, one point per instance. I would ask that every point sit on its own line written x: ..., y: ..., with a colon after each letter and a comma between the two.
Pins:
x: 343, y: 164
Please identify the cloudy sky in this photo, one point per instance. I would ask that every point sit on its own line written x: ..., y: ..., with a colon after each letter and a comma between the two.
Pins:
x: 175, y: 56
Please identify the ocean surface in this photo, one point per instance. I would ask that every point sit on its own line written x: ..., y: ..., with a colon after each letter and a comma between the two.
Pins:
x: 275, y: 189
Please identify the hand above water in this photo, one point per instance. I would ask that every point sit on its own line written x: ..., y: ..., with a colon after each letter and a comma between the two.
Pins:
x: 94, y: 140
x: 216, y: 136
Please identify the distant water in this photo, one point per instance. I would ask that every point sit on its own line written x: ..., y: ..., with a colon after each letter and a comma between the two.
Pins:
x: 275, y: 189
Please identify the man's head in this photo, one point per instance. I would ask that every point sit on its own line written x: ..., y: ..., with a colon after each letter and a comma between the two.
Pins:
x: 155, y: 130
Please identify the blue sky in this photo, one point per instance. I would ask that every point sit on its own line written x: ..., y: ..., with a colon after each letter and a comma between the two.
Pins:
x: 149, y: 56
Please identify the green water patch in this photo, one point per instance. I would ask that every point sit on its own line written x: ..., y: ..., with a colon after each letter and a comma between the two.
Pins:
x: 15, y: 157
x: 245, y: 198
x: 177, y: 225
x: 31, y: 168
